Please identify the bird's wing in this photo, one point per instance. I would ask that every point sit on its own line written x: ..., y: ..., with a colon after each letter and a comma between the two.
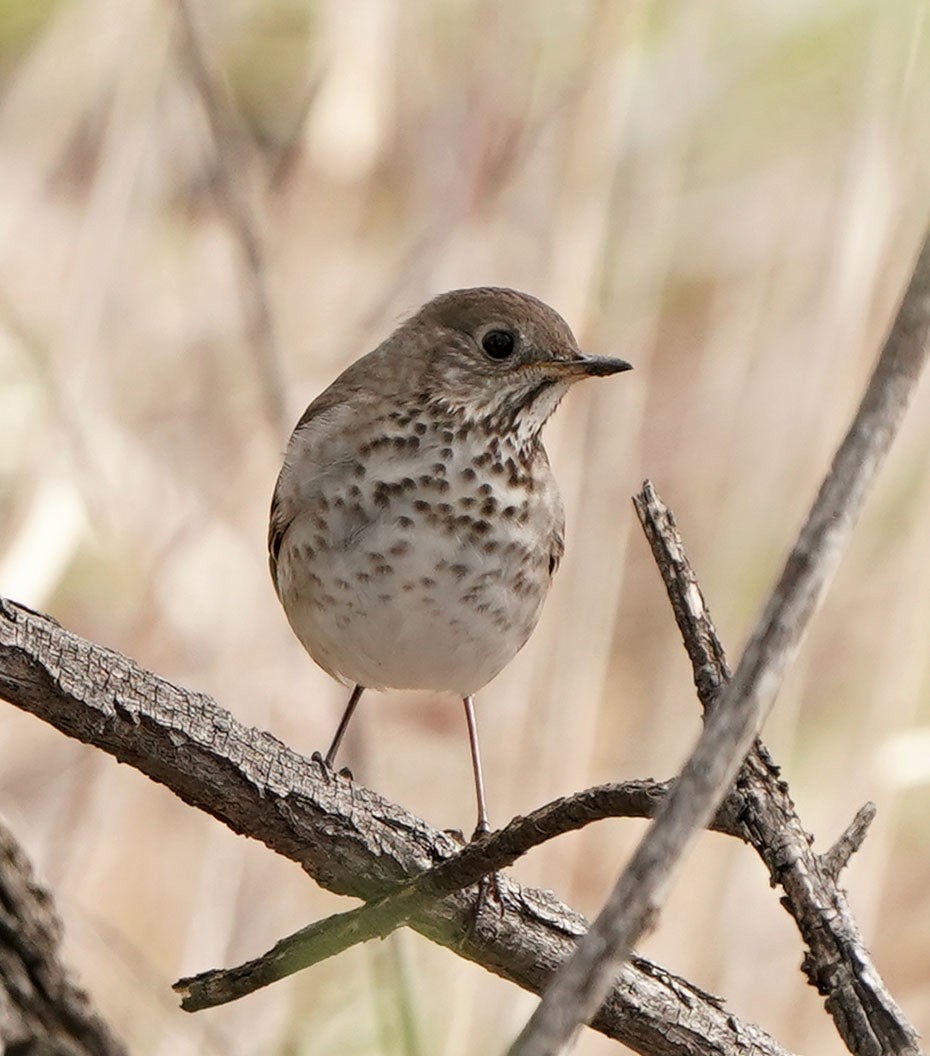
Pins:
x: 320, y: 446
x: 556, y: 547
x: 278, y: 524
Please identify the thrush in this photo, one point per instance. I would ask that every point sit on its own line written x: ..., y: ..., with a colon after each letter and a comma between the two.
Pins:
x: 416, y: 524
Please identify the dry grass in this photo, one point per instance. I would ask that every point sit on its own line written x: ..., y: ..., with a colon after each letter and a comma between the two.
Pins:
x: 728, y: 195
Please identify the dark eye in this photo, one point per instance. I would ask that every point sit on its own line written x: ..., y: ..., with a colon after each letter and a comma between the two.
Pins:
x: 498, y: 344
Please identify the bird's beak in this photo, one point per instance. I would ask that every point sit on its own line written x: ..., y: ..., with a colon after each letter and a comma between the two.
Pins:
x: 601, y: 366
x: 589, y: 366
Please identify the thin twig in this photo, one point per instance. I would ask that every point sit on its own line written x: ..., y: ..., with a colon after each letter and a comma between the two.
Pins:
x: 581, y: 985
x: 835, y: 860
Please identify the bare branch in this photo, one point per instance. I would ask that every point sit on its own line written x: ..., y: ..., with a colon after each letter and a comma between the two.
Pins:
x: 489, y: 854
x: 837, y: 962
x: 836, y: 859
x: 348, y: 838
x: 41, y: 1007
x: 732, y: 725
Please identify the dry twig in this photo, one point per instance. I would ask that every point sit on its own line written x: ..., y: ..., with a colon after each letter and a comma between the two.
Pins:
x: 732, y: 725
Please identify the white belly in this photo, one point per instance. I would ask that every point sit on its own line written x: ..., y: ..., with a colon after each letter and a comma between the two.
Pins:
x: 411, y: 601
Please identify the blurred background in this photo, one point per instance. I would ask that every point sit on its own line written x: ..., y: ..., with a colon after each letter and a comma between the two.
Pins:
x: 208, y: 210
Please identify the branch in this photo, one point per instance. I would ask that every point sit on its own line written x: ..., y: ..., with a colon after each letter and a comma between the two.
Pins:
x: 346, y: 837
x: 489, y: 854
x: 837, y: 962
x: 41, y: 1008
x: 732, y: 725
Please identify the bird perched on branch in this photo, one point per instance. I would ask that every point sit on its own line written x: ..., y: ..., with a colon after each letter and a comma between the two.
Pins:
x: 416, y: 524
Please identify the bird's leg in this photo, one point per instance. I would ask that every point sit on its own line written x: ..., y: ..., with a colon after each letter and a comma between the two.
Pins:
x: 344, y: 724
x: 483, y: 825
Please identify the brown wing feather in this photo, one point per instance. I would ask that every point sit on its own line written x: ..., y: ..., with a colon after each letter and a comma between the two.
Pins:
x: 556, y: 549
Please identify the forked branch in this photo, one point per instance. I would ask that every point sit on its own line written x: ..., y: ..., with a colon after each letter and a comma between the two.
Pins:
x: 733, y: 723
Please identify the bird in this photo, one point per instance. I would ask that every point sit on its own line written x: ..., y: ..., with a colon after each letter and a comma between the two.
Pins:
x: 416, y: 524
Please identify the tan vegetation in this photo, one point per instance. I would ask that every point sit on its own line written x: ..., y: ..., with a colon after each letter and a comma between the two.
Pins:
x: 727, y: 195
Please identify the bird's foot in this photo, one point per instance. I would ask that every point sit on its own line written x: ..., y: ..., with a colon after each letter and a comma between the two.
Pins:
x: 317, y: 757
x: 490, y: 886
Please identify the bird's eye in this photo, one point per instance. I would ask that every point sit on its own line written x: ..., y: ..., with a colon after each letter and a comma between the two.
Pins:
x: 498, y: 344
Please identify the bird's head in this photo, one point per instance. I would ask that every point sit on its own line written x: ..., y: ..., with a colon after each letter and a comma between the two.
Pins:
x: 495, y: 356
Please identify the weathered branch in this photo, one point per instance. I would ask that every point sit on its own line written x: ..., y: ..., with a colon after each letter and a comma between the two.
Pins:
x: 734, y: 722
x: 837, y: 962
x: 41, y: 1007
x: 489, y: 854
x: 348, y: 838
x: 834, y: 861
